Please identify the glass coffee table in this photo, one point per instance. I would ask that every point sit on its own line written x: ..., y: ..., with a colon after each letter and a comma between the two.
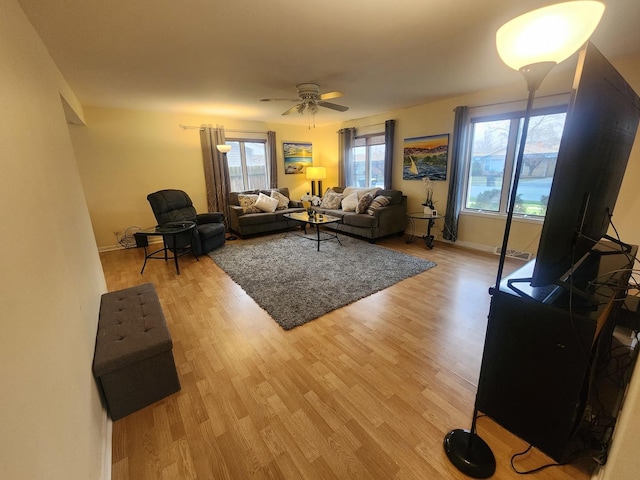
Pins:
x: 303, y: 219
x: 170, y: 233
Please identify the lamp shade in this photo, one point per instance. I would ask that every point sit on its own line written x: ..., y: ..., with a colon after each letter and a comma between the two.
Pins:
x: 316, y: 173
x: 548, y: 34
x: 224, y: 148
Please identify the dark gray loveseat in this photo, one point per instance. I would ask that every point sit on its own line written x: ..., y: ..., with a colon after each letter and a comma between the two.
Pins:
x: 247, y: 223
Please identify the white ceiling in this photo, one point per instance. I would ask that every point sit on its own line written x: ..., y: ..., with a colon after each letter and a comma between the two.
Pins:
x: 219, y: 58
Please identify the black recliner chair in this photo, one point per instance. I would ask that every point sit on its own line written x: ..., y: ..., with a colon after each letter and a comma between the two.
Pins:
x: 176, y: 206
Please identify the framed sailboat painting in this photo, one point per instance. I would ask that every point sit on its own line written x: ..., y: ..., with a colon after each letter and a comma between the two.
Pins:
x: 425, y: 157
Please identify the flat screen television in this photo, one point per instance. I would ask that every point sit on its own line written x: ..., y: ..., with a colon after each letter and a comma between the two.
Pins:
x: 600, y: 128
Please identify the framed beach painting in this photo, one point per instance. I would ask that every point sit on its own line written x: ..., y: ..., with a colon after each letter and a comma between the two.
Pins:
x: 425, y: 157
x: 297, y: 157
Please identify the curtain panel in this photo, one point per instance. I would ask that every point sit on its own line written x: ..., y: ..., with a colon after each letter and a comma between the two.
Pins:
x: 459, y: 148
x: 216, y: 170
x: 389, y: 135
x: 272, y: 159
x: 346, y: 171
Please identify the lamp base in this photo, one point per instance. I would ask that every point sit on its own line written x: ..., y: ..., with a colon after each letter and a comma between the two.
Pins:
x: 469, y: 453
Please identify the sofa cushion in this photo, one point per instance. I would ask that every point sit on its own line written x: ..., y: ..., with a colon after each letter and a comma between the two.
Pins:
x: 331, y: 200
x: 364, y: 202
x: 362, y: 221
x: 257, y: 218
x: 266, y: 204
x: 283, y: 200
x: 248, y: 203
x: 350, y: 202
x: 360, y: 191
x: 395, y: 196
x: 379, y: 201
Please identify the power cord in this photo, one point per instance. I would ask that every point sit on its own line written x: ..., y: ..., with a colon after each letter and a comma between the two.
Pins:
x: 128, y: 240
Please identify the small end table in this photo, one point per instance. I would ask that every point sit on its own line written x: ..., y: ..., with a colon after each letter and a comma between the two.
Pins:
x: 168, y: 231
x: 430, y: 218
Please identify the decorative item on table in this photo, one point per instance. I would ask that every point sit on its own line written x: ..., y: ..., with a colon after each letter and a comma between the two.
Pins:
x: 306, y: 201
x: 316, y: 201
x: 428, y: 193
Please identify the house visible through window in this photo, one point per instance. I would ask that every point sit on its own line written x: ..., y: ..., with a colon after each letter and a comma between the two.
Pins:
x: 368, y: 160
x: 491, y: 165
x: 247, y: 163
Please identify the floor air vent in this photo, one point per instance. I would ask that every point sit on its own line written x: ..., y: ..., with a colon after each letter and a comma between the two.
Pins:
x: 514, y: 254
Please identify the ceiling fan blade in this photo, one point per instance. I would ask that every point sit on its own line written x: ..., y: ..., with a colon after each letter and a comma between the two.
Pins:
x: 279, y: 99
x: 333, y: 106
x: 291, y: 110
x: 330, y: 95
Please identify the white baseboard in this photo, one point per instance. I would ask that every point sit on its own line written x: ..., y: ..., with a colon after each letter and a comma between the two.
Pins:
x: 107, y: 452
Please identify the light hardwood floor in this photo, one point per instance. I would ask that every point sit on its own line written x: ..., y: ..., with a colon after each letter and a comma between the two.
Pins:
x: 365, y: 392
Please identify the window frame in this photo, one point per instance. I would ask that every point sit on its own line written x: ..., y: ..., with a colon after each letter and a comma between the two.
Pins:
x: 367, y: 146
x: 516, y: 118
x: 242, y: 141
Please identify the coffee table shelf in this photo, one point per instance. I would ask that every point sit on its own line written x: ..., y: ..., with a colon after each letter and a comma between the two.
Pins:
x: 304, y: 219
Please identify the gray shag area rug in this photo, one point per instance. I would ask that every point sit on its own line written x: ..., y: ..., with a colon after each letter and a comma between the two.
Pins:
x: 294, y: 283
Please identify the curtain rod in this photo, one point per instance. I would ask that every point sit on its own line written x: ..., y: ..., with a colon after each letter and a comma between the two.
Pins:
x: 191, y: 127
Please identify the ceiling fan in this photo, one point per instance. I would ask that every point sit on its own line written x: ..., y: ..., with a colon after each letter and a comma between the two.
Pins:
x: 310, y: 99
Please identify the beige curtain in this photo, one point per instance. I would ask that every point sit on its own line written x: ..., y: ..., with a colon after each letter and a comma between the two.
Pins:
x: 216, y: 171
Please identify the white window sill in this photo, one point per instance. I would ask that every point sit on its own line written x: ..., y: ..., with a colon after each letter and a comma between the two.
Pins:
x: 498, y: 216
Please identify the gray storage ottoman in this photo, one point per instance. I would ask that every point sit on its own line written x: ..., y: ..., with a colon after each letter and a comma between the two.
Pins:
x: 133, y: 361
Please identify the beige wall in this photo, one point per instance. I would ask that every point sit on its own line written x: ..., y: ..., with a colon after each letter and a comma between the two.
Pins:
x: 124, y: 155
x: 52, y: 423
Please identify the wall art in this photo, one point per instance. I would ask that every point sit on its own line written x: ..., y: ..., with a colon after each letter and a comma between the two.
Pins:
x: 425, y: 157
x: 297, y: 157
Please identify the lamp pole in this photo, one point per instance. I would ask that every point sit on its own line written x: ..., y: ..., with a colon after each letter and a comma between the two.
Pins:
x: 224, y: 149
x: 539, y: 40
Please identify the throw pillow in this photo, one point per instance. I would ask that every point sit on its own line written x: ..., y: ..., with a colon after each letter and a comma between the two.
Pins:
x: 350, y: 202
x: 379, y: 201
x: 364, y: 202
x: 331, y: 201
x: 266, y: 204
x: 248, y: 203
x: 283, y: 200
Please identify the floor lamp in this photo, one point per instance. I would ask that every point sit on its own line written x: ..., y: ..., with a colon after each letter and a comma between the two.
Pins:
x: 533, y: 44
x: 224, y: 149
x: 319, y: 174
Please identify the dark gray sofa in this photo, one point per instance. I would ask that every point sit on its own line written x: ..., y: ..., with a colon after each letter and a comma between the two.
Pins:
x: 385, y: 220
x: 245, y: 224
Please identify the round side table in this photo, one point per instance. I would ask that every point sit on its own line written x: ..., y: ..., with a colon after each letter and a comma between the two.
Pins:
x: 428, y: 238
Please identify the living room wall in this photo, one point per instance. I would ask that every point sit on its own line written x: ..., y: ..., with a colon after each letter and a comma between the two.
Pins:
x: 123, y: 155
x: 53, y: 423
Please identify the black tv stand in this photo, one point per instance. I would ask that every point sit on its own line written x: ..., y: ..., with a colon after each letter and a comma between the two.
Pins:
x: 540, y: 357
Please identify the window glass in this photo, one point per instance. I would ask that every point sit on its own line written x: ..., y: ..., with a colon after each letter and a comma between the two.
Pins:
x: 488, y: 158
x: 539, y: 163
x: 368, y: 160
x: 494, y: 146
x: 247, y: 162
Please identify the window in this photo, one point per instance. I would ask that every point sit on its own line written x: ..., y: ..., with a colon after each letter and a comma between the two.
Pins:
x: 368, y: 160
x: 247, y: 163
x: 494, y: 147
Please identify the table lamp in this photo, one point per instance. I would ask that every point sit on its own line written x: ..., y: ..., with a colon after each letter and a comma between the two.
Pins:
x: 319, y: 174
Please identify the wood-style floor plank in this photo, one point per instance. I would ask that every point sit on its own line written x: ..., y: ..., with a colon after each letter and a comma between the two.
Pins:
x: 365, y: 392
